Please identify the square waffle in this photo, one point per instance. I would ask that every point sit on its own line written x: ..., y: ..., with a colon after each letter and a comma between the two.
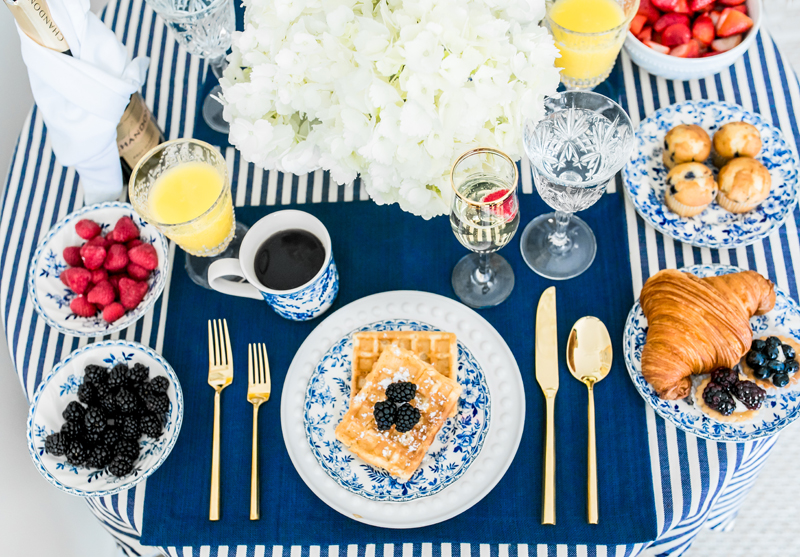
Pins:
x: 398, y: 453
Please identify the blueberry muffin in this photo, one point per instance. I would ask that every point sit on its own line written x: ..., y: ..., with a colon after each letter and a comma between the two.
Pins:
x: 686, y: 143
x: 690, y: 189
x: 735, y: 139
x: 743, y: 184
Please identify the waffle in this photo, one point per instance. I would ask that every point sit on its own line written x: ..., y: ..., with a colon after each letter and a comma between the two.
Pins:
x: 398, y: 453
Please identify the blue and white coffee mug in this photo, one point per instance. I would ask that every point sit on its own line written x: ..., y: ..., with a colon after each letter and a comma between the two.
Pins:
x: 299, y: 304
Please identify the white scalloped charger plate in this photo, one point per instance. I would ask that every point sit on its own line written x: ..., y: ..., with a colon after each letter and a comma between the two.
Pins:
x: 779, y: 408
x: 489, y: 373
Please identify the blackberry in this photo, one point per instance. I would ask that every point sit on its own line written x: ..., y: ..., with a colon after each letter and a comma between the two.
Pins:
x: 152, y: 425
x: 120, y: 466
x: 55, y: 444
x: 111, y: 436
x: 755, y: 359
x: 118, y: 376
x: 127, y: 449
x: 384, y: 412
x: 95, y: 420
x: 791, y: 366
x: 92, y: 438
x: 159, y: 384
x: 139, y: 373
x: 749, y: 393
x: 72, y: 431
x: 407, y: 418
x: 99, y: 456
x: 789, y: 352
x: 95, y: 374
x: 129, y: 428
x: 74, y: 412
x: 87, y: 393
x: 780, y: 379
x: 126, y: 402
x: 157, y: 402
x: 143, y: 390
x: 718, y: 399
x: 77, y: 453
x: 758, y: 345
x: 109, y: 404
x: 761, y: 373
x: 402, y: 391
x: 725, y: 377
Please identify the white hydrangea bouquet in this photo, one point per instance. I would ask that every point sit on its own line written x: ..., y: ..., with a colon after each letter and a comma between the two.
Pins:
x: 393, y: 90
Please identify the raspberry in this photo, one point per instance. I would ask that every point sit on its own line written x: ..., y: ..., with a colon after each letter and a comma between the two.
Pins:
x: 114, y: 280
x: 102, y: 293
x: 72, y: 255
x: 124, y: 231
x: 116, y: 258
x: 144, y: 255
x: 76, y: 279
x: 131, y: 292
x: 137, y: 272
x: 87, y: 229
x: 99, y: 275
x: 93, y: 256
x: 133, y: 243
x: 82, y: 307
x: 112, y: 312
x: 98, y: 241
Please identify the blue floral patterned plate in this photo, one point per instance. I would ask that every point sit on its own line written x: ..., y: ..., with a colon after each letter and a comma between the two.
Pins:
x: 470, y: 453
x: 51, y: 298
x: 60, y: 388
x: 645, y: 178
x: 779, y: 408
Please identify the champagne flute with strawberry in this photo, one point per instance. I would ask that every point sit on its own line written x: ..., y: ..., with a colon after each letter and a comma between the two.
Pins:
x: 484, y: 217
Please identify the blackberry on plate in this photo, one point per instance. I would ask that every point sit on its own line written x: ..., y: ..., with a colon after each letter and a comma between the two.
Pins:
x: 157, y: 402
x: 761, y: 372
x: 95, y: 420
x: 152, y: 425
x: 143, y: 390
x: 111, y: 437
x: 402, y: 391
x: 755, y: 359
x: 129, y: 428
x: 99, y: 456
x: 92, y: 438
x: 791, y: 366
x: 87, y: 392
x: 95, y: 374
x: 72, y: 430
x: 118, y: 376
x: 139, y: 373
x: 384, y: 412
x: 126, y: 401
x: 159, y: 384
x: 788, y: 351
x: 74, y: 412
x: 775, y: 366
x: 749, y: 393
x: 55, y: 444
x: 725, y: 377
x: 77, y: 453
x: 719, y: 399
x: 758, y: 345
x: 780, y: 379
x: 120, y: 466
x: 407, y: 418
x: 127, y: 448
x: 108, y: 403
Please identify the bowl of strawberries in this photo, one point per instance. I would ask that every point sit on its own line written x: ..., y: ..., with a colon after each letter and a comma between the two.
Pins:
x: 98, y: 270
x: 690, y: 39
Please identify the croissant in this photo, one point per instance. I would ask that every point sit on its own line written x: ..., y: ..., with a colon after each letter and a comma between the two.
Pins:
x: 698, y: 324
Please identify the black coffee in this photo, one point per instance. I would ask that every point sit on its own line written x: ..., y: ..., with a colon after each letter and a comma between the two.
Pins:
x: 289, y: 259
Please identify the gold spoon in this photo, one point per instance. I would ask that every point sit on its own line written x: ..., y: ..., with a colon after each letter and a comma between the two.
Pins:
x: 589, y: 360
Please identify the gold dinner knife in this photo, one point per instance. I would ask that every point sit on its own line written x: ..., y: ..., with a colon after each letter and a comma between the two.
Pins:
x: 547, y: 376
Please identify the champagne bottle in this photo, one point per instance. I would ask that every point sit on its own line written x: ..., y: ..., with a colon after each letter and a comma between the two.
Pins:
x: 137, y: 131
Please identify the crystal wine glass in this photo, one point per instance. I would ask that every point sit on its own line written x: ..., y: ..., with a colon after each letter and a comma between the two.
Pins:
x: 583, y: 140
x: 484, y: 217
x: 204, y: 28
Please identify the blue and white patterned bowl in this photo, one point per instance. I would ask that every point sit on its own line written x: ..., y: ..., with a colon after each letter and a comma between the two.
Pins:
x: 60, y: 388
x: 645, y: 178
x: 456, y: 446
x: 779, y: 408
x: 51, y: 298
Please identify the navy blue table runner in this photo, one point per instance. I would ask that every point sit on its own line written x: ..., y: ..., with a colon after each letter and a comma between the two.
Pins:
x: 378, y: 249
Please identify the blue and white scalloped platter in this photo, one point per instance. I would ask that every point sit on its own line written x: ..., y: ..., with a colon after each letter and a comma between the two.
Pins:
x: 779, y: 409
x: 456, y: 446
x: 60, y: 388
x: 645, y: 178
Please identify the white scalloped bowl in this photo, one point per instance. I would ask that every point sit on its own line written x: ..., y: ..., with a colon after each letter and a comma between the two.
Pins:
x: 672, y: 67
x: 51, y: 298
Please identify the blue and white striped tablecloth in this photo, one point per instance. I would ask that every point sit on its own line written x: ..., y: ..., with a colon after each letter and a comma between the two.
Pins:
x: 697, y: 483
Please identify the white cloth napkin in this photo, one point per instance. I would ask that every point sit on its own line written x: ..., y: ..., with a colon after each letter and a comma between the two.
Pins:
x: 82, y: 97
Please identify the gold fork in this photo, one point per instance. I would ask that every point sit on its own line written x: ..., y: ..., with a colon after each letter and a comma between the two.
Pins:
x: 220, y: 375
x: 258, y: 390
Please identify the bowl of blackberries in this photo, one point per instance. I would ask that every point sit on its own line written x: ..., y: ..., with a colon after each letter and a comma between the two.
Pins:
x: 105, y: 418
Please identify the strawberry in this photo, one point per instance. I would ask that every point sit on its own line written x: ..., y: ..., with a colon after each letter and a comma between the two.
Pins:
x: 131, y: 292
x: 740, y: 8
x: 93, y: 256
x: 507, y: 210
x: 732, y: 22
x: 657, y: 47
x: 646, y: 34
x: 145, y: 255
x: 670, y: 19
x: 99, y: 275
x: 124, y: 231
x: 703, y: 29
x: 76, y: 279
x: 709, y: 53
x: 722, y: 45
x: 731, y: 2
x: 112, y: 312
x: 676, y: 34
x: 102, y: 294
x: 687, y: 50
x: 665, y: 5
x: 682, y: 7
x: 133, y: 243
x: 137, y: 272
x: 714, y: 15
x: 700, y: 5
x: 87, y: 229
x: 647, y: 9
x: 72, y: 255
x: 81, y: 306
x: 637, y: 23
x: 117, y: 257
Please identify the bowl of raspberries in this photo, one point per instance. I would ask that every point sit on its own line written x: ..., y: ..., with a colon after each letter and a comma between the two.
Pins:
x: 691, y: 39
x: 98, y: 270
x: 105, y: 418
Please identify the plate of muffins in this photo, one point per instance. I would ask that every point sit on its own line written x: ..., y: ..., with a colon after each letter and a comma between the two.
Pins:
x: 711, y: 174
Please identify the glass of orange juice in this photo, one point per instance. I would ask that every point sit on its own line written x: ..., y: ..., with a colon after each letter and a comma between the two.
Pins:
x: 182, y: 188
x: 589, y: 34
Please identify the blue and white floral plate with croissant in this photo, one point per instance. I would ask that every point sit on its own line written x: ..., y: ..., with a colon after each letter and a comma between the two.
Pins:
x: 779, y: 409
x: 645, y: 178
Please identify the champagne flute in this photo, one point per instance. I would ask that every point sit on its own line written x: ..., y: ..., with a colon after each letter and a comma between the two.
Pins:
x: 484, y: 217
